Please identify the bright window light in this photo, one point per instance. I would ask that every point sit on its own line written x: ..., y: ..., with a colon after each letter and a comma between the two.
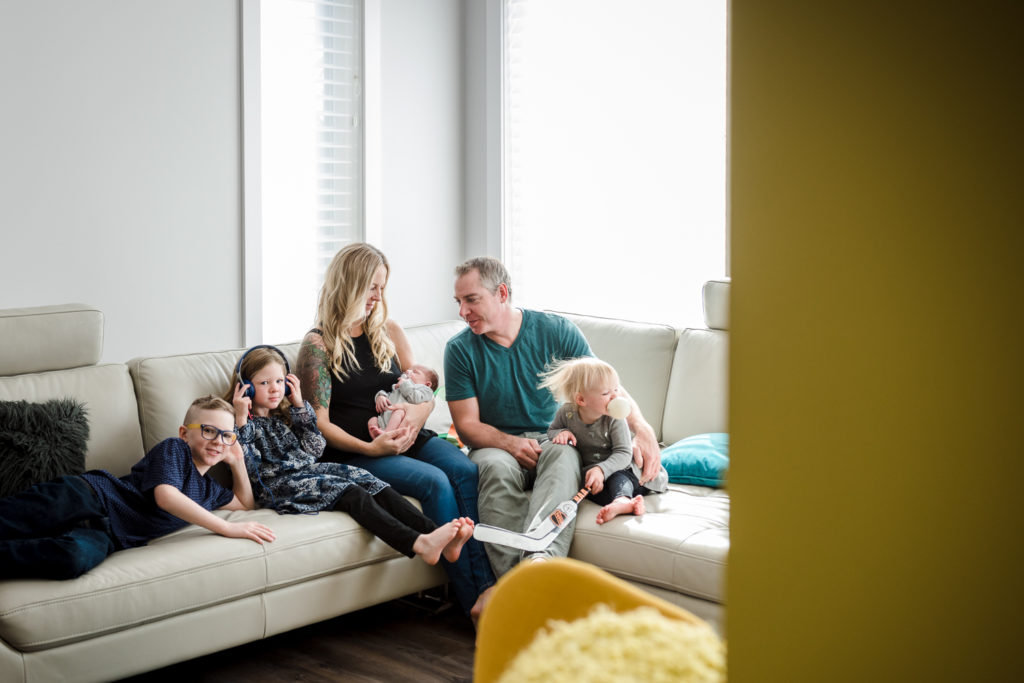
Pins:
x: 615, y: 155
x: 311, y: 149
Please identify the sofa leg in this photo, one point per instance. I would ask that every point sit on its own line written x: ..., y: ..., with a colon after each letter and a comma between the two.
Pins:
x: 432, y: 601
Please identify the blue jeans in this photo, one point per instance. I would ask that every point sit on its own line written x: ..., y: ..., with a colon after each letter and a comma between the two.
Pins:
x: 444, y: 480
x: 53, y: 530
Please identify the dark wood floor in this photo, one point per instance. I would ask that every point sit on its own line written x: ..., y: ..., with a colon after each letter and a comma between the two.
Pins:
x: 402, y: 640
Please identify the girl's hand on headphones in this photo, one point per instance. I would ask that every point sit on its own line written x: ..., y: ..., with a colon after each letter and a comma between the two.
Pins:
x: 296, y: 396
x: 242, y: 405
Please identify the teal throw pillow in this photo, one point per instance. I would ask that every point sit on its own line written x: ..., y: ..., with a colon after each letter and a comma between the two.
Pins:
x: 701, y: 459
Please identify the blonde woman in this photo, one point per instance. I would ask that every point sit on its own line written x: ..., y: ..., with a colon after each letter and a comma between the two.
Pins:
x: 356, y: 350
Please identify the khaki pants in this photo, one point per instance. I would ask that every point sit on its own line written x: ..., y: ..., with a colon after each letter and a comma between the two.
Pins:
x: 504, y: 502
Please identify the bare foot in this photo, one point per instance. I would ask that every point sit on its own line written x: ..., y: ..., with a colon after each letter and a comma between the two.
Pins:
x: 429, y: 546
x: 621, y: 506
x: 639, y: 506
x: 481, y: 602
x: 374, y: 428
x: 452, y: 551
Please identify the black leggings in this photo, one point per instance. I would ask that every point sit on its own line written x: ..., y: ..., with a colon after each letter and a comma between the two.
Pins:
x: 388, y: 515
x: 617, y: 485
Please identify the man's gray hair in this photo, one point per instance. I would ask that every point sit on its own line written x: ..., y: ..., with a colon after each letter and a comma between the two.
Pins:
x: 492, y: 272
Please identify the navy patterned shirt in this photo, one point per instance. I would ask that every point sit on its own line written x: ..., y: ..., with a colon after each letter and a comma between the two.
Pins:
x: 135, y: 518
x: 284, y: 467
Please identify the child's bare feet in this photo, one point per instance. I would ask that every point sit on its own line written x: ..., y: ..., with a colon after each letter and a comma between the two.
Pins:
x: 621, y: 506
x: 452, y: 551
x: 429, y: 546
x: 374, y: 428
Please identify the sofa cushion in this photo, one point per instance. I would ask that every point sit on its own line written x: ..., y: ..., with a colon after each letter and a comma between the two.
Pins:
x: 115, y: 442
x: 701, y: 459
x: 50, y: 338
x: 40, y: 442
x: 697, y: 398
x: 167, y: 385
x: 310, y: 546
x: 182, y: 572
x: 680, y: 544
x: 715, y: 295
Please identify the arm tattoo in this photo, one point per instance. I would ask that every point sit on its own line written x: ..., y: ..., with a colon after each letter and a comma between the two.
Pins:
x: 315, y: 373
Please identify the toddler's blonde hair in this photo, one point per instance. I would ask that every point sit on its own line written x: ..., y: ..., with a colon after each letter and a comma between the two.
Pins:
x: 568, y: 378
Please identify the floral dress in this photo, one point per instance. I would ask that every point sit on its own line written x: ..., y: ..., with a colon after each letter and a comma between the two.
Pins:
x: 284, y: 468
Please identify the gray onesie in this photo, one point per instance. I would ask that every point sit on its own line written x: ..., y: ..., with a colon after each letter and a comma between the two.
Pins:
x: 404, y: 392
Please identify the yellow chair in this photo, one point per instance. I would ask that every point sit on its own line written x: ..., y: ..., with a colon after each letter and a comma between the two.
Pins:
x: 533, y: 593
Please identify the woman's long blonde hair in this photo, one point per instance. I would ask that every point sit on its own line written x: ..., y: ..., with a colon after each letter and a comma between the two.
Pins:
x: 342, y: 303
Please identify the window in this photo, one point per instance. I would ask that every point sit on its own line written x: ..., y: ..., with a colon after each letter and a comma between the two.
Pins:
x: 615, y: 155
x: 303, y: 152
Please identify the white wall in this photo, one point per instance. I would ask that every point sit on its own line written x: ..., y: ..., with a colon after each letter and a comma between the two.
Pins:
x: 421, y: 159
x: 119, y: 170
x: 482, y: 130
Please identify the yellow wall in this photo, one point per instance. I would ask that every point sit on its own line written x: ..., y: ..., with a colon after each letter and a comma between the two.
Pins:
x: 877, y: 258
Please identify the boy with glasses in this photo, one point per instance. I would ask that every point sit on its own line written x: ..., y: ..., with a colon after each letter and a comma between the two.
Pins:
x: 62, y: 528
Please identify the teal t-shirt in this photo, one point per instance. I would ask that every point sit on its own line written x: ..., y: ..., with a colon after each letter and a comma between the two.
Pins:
x: 504, y: 381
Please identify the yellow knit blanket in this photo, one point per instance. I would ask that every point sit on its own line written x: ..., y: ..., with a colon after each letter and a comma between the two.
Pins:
x: 641, y: 645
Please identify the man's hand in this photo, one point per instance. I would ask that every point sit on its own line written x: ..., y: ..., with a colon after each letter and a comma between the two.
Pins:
x: 646, y: 453
x: 526, y: 452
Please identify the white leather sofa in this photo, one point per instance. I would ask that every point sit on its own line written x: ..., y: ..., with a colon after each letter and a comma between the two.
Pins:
x: 191, y: 592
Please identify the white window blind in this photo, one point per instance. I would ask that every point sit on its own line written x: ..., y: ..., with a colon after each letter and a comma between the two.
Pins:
x: 311, y: 152
x: 615, y: 155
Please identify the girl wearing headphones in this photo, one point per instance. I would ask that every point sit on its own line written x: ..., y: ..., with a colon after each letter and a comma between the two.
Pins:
x: 282, y: 446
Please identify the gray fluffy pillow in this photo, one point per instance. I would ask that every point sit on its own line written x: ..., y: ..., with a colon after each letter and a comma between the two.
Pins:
x: 40, y: 441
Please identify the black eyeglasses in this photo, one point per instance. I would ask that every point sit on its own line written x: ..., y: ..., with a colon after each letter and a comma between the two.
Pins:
x: 209, y: 432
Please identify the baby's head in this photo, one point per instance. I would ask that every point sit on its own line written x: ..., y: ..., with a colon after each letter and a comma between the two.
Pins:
x: 584, y: 381
x: 209, y: 430
x: 421, y: 374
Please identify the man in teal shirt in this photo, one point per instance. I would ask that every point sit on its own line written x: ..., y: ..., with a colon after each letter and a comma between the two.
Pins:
x: 491, y: 384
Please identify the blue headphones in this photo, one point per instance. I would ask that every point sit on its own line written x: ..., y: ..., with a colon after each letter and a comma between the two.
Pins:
x: 249, y: 390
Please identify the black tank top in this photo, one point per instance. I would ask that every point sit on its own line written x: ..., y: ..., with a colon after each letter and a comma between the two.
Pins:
x: 353, y: 399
